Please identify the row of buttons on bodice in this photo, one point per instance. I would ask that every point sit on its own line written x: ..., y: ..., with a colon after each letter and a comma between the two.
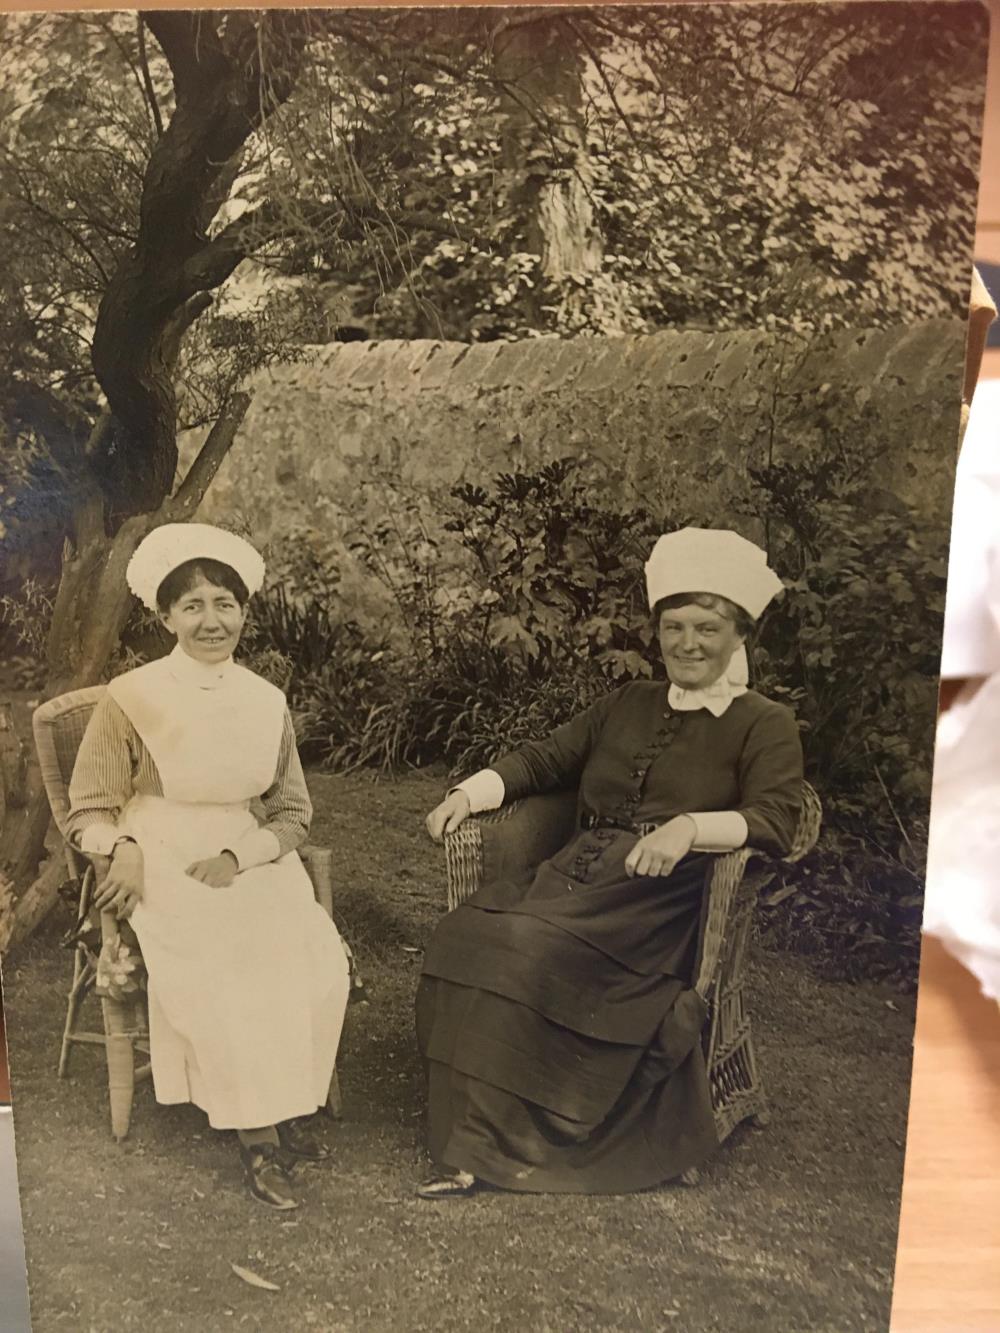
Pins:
x: 591, y: 848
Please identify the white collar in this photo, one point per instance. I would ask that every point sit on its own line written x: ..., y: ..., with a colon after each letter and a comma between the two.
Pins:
x: 203, y: 675
x: 716, y: 697
x: 720, y: 694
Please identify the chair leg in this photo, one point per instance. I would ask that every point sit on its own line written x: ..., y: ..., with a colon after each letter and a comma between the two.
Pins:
x: 121, y: 1067
x: 81, y: 973
x: 75, y: 999
x: 334, y: 1105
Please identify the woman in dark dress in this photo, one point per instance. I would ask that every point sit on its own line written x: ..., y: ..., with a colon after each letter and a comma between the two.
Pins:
x: 556, y: 1015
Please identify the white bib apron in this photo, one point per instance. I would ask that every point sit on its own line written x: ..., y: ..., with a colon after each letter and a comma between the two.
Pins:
x: 247, y: 984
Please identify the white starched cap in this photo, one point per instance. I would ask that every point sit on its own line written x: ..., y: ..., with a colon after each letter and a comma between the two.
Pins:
x: 712, y: 560
x: 174, y: 544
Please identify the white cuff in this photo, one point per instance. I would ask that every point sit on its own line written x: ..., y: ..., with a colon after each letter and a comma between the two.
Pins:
x: 99, y: 839
x: 255, y: 848
x: 484, y: 789
x: 719, y: 831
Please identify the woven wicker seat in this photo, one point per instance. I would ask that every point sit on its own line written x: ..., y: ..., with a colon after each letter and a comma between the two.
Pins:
x: 514, y: 839
x: 58, y: 727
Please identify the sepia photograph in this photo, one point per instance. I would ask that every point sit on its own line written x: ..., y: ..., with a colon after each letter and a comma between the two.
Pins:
x: 475, y: 497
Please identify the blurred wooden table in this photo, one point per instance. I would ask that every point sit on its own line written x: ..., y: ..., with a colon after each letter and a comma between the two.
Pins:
x: 948, y: 1264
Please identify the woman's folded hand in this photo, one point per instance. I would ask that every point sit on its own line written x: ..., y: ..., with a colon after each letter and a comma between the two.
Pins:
x: 658, y: 852
x: 447, y: 816
x: 120, y: 891
x: 218, y: 872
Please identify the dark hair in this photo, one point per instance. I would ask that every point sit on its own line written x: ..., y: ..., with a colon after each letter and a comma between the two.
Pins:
x: 185, y: 577
x: 711, y: 601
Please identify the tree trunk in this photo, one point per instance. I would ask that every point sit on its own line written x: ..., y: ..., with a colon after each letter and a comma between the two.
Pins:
x: 228, y: 79
x: 230, y: 74
x: 541, y: 72
x: 80, y: 644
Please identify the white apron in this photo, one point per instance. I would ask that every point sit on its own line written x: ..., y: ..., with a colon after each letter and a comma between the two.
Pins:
x: 247, y: 984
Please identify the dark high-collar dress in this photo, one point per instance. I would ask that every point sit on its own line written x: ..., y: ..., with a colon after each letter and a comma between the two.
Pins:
x: 556, y: 1014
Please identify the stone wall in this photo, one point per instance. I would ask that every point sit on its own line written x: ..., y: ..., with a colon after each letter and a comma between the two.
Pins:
x: 671, y: 420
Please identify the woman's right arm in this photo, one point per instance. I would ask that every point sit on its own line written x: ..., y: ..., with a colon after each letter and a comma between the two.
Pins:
x: 557, y: 762
x: 553, y: 764
x: 99, y: 790
x: 101, y: 785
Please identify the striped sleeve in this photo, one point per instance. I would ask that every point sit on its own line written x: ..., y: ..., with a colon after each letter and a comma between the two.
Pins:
x: 101, y: 785
x: 285, y: 806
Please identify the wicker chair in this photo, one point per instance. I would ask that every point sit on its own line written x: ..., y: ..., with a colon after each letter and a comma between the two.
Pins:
x: 509, y: 841
x: 115, y: 973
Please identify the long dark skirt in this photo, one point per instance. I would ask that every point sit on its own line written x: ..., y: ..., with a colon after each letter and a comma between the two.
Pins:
x: 559, y: 1029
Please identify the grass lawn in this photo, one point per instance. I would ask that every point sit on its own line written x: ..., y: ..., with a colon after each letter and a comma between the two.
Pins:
x: 792, y: 1228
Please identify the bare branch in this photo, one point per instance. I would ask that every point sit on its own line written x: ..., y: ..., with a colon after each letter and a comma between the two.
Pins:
x: 147, y: 79
x: 200, y: 474
x: 605, y: 78
x: 174, y: 333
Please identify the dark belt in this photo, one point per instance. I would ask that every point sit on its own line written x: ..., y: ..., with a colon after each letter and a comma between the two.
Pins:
x: 590, y: 821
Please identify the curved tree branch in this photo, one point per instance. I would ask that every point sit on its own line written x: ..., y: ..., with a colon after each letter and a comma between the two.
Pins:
x: 200, y: 474
x: 147, y: 79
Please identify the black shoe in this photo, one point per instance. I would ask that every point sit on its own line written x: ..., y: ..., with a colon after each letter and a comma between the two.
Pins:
x: 447, y: 1185
x: 298, y: 1140
x: 267, y: 1176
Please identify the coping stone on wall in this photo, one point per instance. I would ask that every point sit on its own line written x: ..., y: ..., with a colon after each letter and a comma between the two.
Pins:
x: 673, y: 399
x: 345, y: 362
x: 566, y: 366
x: 470, y: 369
x: 436, y: 370
x: 683, y: 359
x: 648, y: 358
x: 740, y: 355
x: 372, y: 369
x: 606, y: 369
x: 515, y: 364
x: 694, y: 367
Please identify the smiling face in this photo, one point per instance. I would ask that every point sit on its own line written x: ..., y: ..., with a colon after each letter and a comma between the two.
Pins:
x: 697, y: 643
x: 206, y: 620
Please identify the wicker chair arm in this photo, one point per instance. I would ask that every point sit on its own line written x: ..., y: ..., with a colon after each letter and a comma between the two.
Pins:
x: 807, y: 831
x: 507, y: 842
x: 463, y: 855
x: 318, y: 862
x: 722, y: 884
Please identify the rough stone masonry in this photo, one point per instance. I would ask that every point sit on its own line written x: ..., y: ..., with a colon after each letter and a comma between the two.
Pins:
x: 670, y: 420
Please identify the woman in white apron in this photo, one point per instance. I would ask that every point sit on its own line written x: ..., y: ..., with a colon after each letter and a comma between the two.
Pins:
x: 188, y: 778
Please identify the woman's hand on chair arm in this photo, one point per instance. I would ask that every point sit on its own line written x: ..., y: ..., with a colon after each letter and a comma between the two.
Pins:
x: 122, y: 888
x: 447, y: 816
x: 658, y: 852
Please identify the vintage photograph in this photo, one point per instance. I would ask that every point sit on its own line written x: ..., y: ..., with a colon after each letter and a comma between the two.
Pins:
x: 475, y: 489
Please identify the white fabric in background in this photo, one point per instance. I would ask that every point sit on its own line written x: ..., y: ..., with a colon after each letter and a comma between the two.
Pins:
x: 962, y: 904
x: 972, y: 613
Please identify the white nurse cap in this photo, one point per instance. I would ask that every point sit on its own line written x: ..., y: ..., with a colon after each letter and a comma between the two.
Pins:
x: 174, y: 544
x: 712, y: 560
